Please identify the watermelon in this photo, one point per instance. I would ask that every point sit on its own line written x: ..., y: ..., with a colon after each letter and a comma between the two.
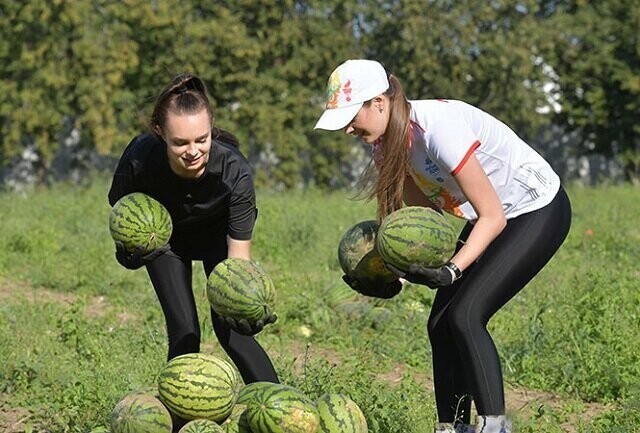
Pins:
x: 354, y: 310
x: 339, y: 414
x: 140, y: 223
x: 197, y: 385
x: 241, y: 289
x: 282, y: 409
x: 147, y: 389
x: 358, y: 254
x: 237, y: 422
x: 416, y: 234
x: 201, y: 426
x: 338, y: 294
x: 100, y: 430
x: 380, y: 317
x: 248, y: 392
x: 140, y: 413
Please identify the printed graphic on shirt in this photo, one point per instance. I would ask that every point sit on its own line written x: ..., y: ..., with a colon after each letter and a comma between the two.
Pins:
x: 432, y: 170
x: 436, y: 183
x: 436, y: 192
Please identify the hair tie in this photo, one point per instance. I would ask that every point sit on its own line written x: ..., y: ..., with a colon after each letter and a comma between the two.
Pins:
x: 181, y: 90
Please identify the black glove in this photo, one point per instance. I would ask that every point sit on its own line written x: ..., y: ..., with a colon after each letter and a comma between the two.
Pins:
x: 137, y: 259
x: 371, y: 288
x: 242, y: 326
x: 433, y: 278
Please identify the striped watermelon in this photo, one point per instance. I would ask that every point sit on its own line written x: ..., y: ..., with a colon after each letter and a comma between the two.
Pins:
x: 140, y: 413
x: 354, y: 310
x: 201, y: 426
x: 140, y: 223
x: 248, y: 392
x: 339, y: 414
x: 147, y: 389
x: 416, y: 234
x: 282, y: 409
x: 196, y: 385
x: 241, y: 289
x: 338, y: 294
x: 358, y: 255
x: 237, y: 422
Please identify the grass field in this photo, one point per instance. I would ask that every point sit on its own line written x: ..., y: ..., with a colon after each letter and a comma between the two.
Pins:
x: 77, y: 331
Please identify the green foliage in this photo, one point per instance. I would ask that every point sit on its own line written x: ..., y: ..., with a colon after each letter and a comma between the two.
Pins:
x: 67, y: 367
x: 480, y: 52
x: 579, y: 317
x: 94, y: 66
x: 299, y: 43
x: 64, y: 67
x: 595, y: 52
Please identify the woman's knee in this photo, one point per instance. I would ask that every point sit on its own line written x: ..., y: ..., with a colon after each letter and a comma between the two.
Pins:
x: 464, y: 320
x: 184, y: 337
x: 184, y: 343
x: 438, y: 330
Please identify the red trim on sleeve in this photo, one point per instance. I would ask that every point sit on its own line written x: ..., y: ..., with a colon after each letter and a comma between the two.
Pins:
x: 467, y: 155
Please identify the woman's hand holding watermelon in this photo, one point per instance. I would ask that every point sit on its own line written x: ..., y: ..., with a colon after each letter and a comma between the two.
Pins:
x: 433, y: 278
x: 137, y: 259
x: 377, y: 289
x: 244, y: 327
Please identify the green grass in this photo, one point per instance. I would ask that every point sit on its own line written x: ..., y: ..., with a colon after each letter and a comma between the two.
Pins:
x: 77, y: 331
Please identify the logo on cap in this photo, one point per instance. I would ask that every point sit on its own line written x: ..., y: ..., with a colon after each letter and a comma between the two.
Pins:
x: 334, y: 86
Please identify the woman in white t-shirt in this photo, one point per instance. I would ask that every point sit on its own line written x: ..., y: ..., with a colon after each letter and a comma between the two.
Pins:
x: 456, y: 158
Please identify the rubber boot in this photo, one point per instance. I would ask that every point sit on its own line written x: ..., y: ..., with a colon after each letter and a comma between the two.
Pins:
x: 492, y: 424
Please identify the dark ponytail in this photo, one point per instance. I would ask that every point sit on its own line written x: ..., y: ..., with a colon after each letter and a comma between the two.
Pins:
x: 186, y: 94
x: 226, y: 136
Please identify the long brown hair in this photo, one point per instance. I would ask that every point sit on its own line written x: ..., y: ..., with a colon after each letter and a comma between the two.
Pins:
x: 385, y: 182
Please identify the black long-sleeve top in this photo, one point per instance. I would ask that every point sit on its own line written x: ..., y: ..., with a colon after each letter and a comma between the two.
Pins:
x: 220, y: 202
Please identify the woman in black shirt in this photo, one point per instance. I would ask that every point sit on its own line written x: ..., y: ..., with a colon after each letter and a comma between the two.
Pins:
x: 197, y: 172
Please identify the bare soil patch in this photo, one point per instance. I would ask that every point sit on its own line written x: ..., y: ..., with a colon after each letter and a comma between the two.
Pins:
x: 12, y: 419
x: 96, y: 306
x: 16, y: 291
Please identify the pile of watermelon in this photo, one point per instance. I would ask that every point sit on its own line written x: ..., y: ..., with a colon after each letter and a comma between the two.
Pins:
x: 412, y: 234
x: 203, y: 393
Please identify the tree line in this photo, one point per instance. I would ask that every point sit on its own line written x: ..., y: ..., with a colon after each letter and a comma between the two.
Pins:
x: 91, y: 68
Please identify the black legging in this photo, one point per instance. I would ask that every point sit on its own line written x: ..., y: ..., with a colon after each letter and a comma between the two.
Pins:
x: 172, y: 280
x: 465, y: 361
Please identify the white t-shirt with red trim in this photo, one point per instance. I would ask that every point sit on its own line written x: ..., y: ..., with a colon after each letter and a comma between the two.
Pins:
x: 444, y: 134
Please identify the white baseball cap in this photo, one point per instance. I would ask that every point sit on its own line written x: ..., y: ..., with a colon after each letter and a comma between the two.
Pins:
x: 350, y: 85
